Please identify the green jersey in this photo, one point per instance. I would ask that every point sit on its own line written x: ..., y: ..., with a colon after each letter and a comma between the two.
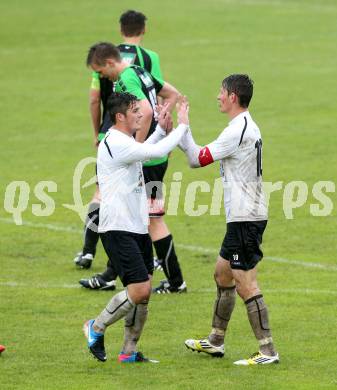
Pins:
x: 134, y: 55
x: 138, y: 82
x: 137, y: 55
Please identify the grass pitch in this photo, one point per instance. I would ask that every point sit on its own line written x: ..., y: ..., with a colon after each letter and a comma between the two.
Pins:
x: 288, y: 48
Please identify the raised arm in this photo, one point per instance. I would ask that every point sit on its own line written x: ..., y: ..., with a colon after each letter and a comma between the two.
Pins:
x: 164, y: 126
x: 225, y: 145
x: 191, y: 149
x: 146, y: 151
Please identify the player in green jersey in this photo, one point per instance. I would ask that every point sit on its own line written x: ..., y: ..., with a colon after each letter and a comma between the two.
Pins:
x: 132, y: 24
x: 132, y: 30
x: 105, y: 59
x: 138, y: 82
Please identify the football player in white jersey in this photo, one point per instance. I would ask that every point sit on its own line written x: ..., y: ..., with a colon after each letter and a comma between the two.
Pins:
x: 239, y: 150
x: 123, y: 219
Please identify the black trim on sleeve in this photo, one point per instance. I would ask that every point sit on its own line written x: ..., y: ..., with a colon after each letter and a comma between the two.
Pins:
x: 243, y: 131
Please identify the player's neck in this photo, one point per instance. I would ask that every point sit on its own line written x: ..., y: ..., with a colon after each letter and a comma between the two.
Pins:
x: 123, y: 129
x: 133, y: 40
x: 235, y: 112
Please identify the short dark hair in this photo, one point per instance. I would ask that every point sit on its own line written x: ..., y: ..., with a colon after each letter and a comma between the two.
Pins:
x: 100, y: 52
x: 120, y: 103
x: 241, y: 85
x: 132, y: 23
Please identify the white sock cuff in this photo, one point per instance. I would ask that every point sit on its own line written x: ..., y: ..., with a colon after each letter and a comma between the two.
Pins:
x: 265, y: 341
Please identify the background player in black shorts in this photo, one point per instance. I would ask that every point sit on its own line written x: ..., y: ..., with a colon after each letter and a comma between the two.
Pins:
x: 105, y: 58
x: 132, y: 30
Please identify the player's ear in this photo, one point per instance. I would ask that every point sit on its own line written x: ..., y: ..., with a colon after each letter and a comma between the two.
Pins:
x: 110, y: 61
x: 120, y: 117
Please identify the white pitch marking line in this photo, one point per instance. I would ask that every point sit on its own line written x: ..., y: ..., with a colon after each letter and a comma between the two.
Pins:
x: 270, y: 258
x: 192, y: 248
x: 302, y: 291
x: 44, y: 226
x: 39, y: 286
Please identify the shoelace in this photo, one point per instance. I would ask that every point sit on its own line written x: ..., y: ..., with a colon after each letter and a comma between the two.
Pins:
x: 255, y: 354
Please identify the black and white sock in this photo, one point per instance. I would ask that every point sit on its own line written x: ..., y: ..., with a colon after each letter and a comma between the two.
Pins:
x: 109, y: 274
x: 166, y: 253
x: 91, y: 235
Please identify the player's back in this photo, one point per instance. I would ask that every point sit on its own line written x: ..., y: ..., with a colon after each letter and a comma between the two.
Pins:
x: 145, y: 58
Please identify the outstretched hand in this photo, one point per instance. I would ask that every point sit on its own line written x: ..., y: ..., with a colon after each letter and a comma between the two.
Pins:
x: 164, y: 117
x: 183, y: 110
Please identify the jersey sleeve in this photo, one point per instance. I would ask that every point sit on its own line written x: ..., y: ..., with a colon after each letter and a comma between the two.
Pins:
x: 158, y: 84
x: 95, y: 84
x: 155, y: 70
x: 136, y: 151
x: 156, y: 136
x: 224, y: 146
x: 130, y: 83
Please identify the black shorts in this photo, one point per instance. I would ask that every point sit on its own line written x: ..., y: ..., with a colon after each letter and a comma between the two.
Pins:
x: 153, y: 177
x: 241, y: 245
x: 131, y: 255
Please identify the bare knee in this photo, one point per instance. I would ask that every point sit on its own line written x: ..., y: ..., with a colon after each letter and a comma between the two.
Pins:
x: 141, y: 293
x: 247, y: 291
x: 223, y: 275
x: 218, y: 279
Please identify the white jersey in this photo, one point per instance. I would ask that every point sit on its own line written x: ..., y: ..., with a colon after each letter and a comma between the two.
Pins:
x: 239, y: 149
x: 120, y: 177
